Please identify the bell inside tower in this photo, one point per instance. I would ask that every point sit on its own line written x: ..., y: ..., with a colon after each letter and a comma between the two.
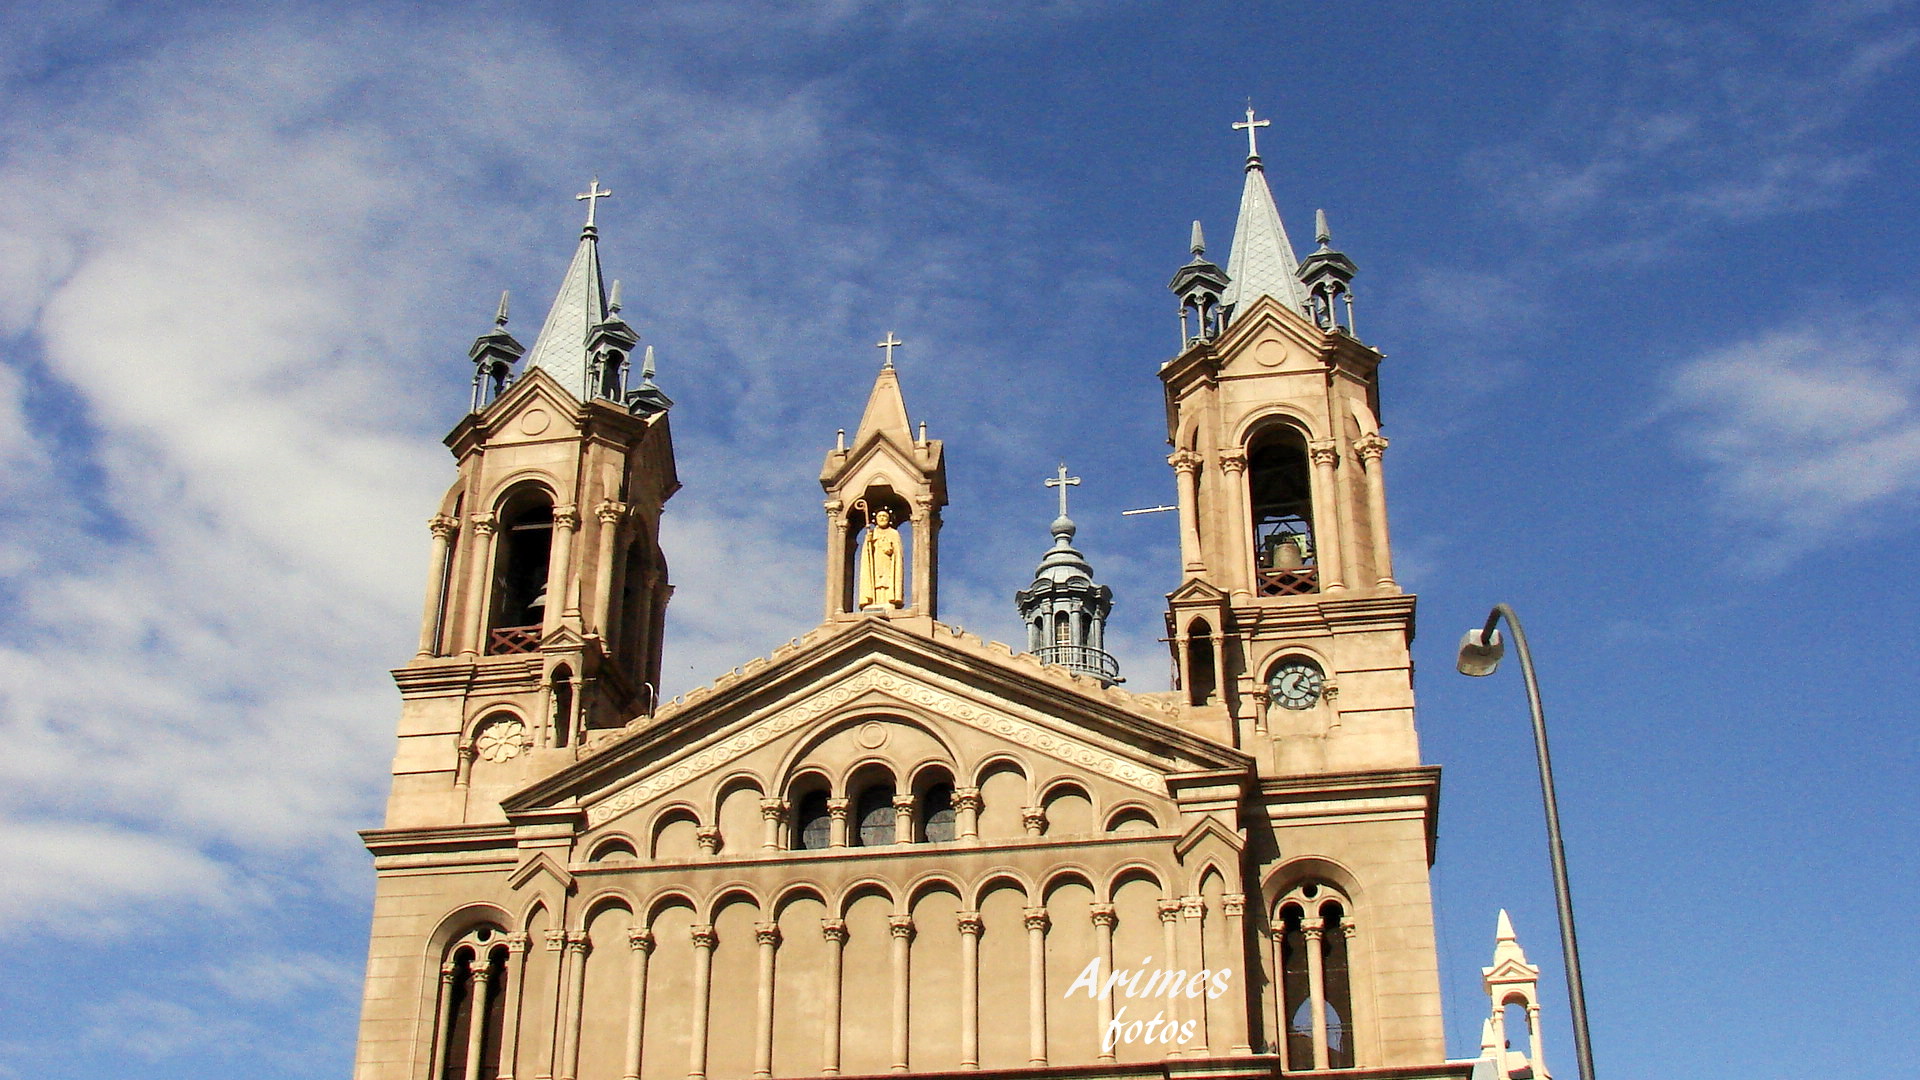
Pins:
x: 520, y: 572
x: 1280, y: 492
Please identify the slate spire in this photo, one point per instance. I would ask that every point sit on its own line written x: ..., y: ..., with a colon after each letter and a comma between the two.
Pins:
x: 580, y: 306
x: 1262, y: 261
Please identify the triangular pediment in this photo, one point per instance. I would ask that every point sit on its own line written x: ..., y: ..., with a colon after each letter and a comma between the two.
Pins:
x: 955, y: 687
x: 1196, y: 592
x: 540, y: 864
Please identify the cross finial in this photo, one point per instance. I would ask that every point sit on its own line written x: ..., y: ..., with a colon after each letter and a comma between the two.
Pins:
x: 890, y: 344
x: 594, y: 194
x: 1062, y: 481
x: 1253, y: 148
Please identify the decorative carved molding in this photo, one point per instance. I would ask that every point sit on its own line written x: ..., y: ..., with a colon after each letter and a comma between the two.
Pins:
x: 834, y: 508
x: 703, y: 936
x: 517, y: 944
x: 903, y: 804
x: 937, y: 702
x: 501, y: 740
x: 1036, y: 918
x: 1034, y: 818
x: 1102, y: 914
x: 447, y: 971
x: 640, y: 939
x: 900, y: 926
x: 1313, y: 931
x: 443, y: 526
x: 970, y: 923
x: 834, y: 930
x: 1370, y: 446
x: 1324, y: 452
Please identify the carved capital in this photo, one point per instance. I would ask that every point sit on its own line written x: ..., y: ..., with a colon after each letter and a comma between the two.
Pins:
x: 1370, y: 446
x: 640, y: 939
x: 834, y: 930
x: 703, y: 936
x: 1193, y: 907
x: 900, y: 926
x: 576, y: 941
x: 1234, y: 905
x: 1323, y: 452
x: 1329, y: 689
x: 903, y: 804
x: 481, y: 975
x: 967, y: 798
x: 1184, y: 462
x: 443, y: 526
x: 447, y: 971
x: 1346, y: 930
x: 1169, y: 910
x: 970, y: 923
x: 773, y: 809
x: 1102, y: 914
x: 567, y: 517
x: 1279, y: 934
x: 610, y: 512
x: 1036, y: 918
x: 1033, y: 817
x: 556, y: 940
x: 838, y: 808
x: 922, y: 507
x: 517, y: 944
x: 766, y: 933
x: 1313, y: 931
x: 708, y: 838
x: 834, y: 508
x: 1260, y: 697
x: 1233, y: 462
x: 482, y: 524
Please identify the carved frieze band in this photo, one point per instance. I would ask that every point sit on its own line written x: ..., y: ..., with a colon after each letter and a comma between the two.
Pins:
x: 934, y: 701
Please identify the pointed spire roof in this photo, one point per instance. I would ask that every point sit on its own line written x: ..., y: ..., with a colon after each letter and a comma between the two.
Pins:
x: 1506, y: 945
x: 886, y: 410
x: 1262, y: 261
x: 581, y: 305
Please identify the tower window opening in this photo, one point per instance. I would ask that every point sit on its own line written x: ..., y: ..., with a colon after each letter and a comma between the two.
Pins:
x: 1338, y: 989
x: 813, y: 822
x: 937, y: 820
x: 1280, y: 494
x: 520, y: 575
x: 1201, y: 683
x: 875, y: 815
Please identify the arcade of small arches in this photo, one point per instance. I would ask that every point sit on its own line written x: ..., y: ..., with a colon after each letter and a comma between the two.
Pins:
x: 971, y: 976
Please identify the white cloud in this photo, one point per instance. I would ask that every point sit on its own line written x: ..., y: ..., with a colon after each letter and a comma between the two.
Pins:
x: 1804, y: 428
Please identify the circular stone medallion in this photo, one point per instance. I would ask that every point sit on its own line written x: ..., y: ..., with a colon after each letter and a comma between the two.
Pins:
x: 1270, y: 353
x: 873, y: 736
x: 535, y: 421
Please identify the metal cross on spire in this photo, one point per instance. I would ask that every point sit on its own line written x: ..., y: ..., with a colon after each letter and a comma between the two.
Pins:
x: 890, y: 344
x: 1063, y: 482
x: 1253, y: 148
x: 594, y: 194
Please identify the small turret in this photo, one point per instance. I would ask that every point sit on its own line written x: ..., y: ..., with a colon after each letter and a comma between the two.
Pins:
x: 1199, y: 285
x: 609, y: 343
x: 493, y: 354
x: 1328, y: 276
x: 1065, y: 611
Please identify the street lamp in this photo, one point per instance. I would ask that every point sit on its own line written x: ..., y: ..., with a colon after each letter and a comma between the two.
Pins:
x: 1480, y: 652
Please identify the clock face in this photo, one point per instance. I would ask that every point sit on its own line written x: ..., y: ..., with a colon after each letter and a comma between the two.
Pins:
x: 1296, y: 684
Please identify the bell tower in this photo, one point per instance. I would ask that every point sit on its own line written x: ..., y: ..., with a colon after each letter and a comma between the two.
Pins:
x: 548, y: 591
x: 884, y: 493
x: 1288, y: 630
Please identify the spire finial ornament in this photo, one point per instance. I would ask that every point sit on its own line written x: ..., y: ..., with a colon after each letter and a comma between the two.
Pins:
x: 594, y: 194
x: 1253, y: 147
x: 613, y: 301
x: 1062, y: 481
x: 889, y: 345
x: 500, y: 317
x: 646, y: 368
x: 1199, y: 243
x: 1321, y: 234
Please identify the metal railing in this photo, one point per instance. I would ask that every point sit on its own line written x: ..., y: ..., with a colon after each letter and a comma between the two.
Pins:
x: 1084, y: 659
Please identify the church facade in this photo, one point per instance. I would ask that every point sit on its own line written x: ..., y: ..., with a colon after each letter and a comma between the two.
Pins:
x: 891, y: 846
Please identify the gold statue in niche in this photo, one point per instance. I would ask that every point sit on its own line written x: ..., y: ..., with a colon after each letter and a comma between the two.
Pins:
x: 880, y: 579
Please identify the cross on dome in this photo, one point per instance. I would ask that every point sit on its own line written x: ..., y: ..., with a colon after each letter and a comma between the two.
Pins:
x: 1250, y: 124
x: 594, y: 194
x: 1063, y: 482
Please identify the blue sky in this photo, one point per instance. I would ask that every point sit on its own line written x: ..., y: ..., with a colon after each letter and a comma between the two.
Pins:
x: 1645, y: 276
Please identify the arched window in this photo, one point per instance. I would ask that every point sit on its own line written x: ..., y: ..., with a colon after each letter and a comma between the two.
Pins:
x: 472, y: 1009
x: 1315, y: 978
x: 812, y: 822
x: 524, y: 543
x: 1280, y: 495
x: 937, y: 823
x: 1200, y: 675
x: 562, y: 705
x: 873, y: 815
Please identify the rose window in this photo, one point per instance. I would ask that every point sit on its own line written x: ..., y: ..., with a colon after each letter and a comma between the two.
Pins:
x: 502, y: 740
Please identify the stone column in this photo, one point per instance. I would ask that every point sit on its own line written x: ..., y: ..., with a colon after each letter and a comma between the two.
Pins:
x: 1186, y: 468
x: 640, y: 940
x: 443, y: 1020
x: 477, y: 1015
x: 560, y: 575
x: 444, y: 529
x: 924, y: 527
x: 970, y: 927
x: 1169, y: 909
x: 708, y: 837
x: 1103, y: 920
x: 1316, y: 990
x: 576, y: 992
x: 901, y: 926
x: 903, y: 819
x: 836, y: 556
x: 479, y: 561
x: 1036, y: 920
x: 1239, y: 546
x: 1278, y: 989
x: 1237, y: 1035
x: 610, y: 513
x: 966, y: 813
x: 1220, y: 684
x: 1034, y: 818
x: 767, y: 935
x: 703, y: 942
x: 837, y: 821
x: 1260, y: 700
x: 556, y: 942
x: 835, y: 931
x: 516, y: 996
x: 1536, y: 1057
x: 772, y: 813
x: 1193, y: 957
x: 1326, y: 516
x: 1371, y: 449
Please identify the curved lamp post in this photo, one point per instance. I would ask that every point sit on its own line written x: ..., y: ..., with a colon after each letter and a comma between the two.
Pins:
x: 1480, y: 652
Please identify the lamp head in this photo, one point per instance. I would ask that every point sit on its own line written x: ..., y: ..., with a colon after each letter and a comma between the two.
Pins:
x: 1480, y: 652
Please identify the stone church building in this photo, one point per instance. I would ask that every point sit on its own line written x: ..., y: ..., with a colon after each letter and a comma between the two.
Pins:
x: 891, y: 846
